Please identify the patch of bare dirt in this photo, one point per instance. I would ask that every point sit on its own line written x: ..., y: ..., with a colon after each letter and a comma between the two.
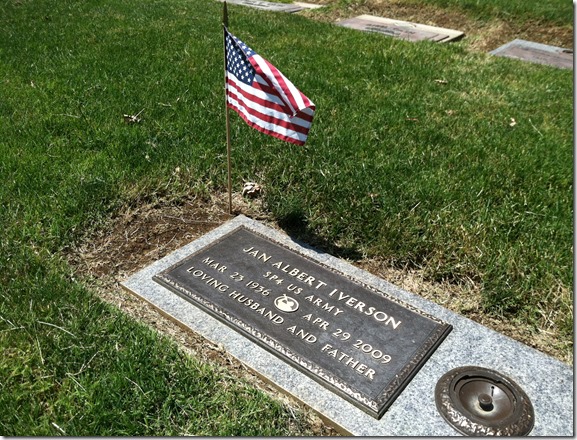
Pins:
x: 481, y: 36
x: 140, y: 235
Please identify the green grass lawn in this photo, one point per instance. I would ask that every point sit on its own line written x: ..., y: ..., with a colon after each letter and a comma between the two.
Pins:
x: 424, y: 155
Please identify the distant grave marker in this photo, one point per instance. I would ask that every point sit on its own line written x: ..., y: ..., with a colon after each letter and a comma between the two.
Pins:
x: 403, y: 30
x: 536, y: 53
x: 307, y: 5
x: 268, y: 6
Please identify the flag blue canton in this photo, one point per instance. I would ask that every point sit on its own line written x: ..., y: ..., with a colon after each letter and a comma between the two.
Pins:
x: 237, y: 59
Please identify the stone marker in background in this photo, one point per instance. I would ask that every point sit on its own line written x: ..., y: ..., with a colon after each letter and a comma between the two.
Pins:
x: 536, y: 53
x: 471, y: 380
x: 401, y: 29
x: 308, y: 5
x: 268, y: 6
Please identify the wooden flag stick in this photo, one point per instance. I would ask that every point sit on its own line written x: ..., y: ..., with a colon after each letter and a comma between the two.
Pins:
x: 225, y: 24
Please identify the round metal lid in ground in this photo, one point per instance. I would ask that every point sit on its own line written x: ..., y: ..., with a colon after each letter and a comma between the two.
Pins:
x: 478, y: 401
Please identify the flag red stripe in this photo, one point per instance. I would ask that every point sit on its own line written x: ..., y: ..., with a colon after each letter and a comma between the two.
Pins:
x: 264, y: 130
x: 279, y: 78
x: 269, y: 90
x: 272, y: 94
x: 265, y: 103
x: 268, y: 118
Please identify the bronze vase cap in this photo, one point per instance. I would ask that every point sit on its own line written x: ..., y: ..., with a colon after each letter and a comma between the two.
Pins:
x: 477, y: 401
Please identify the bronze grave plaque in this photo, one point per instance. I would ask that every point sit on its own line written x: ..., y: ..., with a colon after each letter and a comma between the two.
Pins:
x: 360, y: 343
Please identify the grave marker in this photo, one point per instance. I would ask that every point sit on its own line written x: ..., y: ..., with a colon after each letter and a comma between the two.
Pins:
x: 308, y: 5
x: 401, y: 29
x: 267, y: 6
x: 356, y: 341
x: 457, y: 386
x: 536, y: 53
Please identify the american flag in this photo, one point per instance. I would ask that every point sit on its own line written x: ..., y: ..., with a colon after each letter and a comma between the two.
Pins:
x: 263, y: 96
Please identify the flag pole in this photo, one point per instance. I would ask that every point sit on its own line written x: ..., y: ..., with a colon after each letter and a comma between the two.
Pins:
x: 225, y: 24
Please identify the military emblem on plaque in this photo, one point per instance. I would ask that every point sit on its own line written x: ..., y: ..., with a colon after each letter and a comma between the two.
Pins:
x: 286, y: 304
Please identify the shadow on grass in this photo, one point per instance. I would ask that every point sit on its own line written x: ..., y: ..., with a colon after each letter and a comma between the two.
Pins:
x: 295, y: 224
